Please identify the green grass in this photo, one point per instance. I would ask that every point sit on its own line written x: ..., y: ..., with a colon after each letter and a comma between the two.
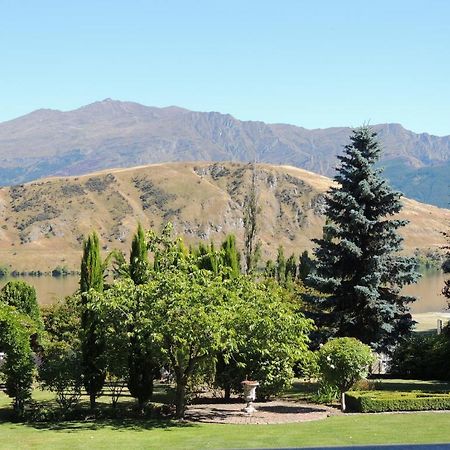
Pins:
x: 337, y: 430
x: 128, y: 434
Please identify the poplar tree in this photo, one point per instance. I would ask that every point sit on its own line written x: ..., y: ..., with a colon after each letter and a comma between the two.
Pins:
x: 252, y: 247
x: 92, y: 342
x: 357, y: 260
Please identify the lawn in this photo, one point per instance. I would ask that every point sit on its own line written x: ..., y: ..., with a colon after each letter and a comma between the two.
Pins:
x: 337, y: 430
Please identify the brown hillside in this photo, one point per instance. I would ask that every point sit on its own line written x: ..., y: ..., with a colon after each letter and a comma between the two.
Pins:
x: 43, y: 223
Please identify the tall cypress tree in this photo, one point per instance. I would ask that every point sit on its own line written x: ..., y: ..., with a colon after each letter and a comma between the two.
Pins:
x: 231, y: 256
x: 142, y: 367
x: 357, y: 259
x: 92, y: 343
x: 281, y: 266
x: 139, y: 257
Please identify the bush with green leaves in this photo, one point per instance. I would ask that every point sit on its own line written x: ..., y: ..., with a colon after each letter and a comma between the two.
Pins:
x: 60, y: 372
x: 343, y: 362
x: 21, y: 296
x: 15, y: 332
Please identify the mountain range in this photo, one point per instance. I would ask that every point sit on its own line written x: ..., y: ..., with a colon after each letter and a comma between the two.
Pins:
x: 43, y: 223
x: 113, y: 134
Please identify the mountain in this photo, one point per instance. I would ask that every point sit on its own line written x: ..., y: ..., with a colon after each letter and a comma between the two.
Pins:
x: 42, y: 224
x: 111, y: 133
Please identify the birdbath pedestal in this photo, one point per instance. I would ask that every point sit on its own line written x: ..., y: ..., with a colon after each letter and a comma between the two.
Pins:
x: 249, y: 395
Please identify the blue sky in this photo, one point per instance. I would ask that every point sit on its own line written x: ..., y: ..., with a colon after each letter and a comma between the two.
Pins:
x: 310, y: 63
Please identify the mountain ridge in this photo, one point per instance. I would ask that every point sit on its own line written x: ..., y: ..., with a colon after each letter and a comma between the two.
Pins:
x: 112, y: 133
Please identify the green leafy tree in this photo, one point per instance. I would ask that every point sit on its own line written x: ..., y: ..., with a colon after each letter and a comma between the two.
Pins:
x: 21, y: 296
x: 61, y: 367
x: 357, y: 261
x: 270, y: 336
x: 15, y: 333
x: 343, y: 362
x: 92, y: 342
x: 270, y: 271
x: 252, y: 246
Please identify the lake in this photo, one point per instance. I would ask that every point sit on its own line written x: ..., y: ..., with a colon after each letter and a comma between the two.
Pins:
x: 428, y: 290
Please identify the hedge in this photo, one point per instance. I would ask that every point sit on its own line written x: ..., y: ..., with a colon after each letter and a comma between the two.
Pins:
x: 381, y: 401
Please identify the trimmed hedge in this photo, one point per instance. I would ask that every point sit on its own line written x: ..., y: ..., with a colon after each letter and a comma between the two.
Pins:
x: 381, y: 401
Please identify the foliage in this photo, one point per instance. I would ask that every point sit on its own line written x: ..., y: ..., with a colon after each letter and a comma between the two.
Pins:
x: 344, y: 361
x: 231, y: 257
x: 60, y: 372
x: 15, y: 332
x: 252, y: 246
x: 270, y: 335
x: 21, y: 296
x: 305, y: 266
x: 139, y: 263
x: 281, y: 266
x: 92, y: 342
x: 382, y: 401
x: 4, y: 271
x: 357, y: 260
x: 423, y: 357
x: 91, y: 265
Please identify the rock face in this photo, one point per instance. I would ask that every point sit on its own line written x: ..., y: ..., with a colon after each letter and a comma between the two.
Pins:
x: 111, y: 134
x: 42, y: 224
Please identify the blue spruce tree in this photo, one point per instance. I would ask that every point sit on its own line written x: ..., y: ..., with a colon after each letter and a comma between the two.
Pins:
x: 357, y: 261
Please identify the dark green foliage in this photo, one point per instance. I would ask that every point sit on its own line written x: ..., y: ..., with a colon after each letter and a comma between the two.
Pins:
x: 4, y: 271
x: 383, y: 401
x: 305, y: 266
x: 231, y: 257
x: 291, y: 268
x: 15, y: 333
x: 21, y: 296
x: 252, y: 247
x: 207, y: 257
x: 92, y: 342
x: 139, y: 257
x: 281, y: 266
x: 357, y: 260
x: 422, y: 357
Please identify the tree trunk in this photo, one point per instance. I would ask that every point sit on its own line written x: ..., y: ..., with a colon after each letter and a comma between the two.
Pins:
x: 180, y: 399
x: 227, y: 392
x: 92, y: 400
x: 343, y: 401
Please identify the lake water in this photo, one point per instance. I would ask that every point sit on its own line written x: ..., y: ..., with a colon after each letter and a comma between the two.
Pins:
x: 427, y: 290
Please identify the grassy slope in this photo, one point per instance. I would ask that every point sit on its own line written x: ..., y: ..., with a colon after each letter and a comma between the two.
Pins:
x: 42, y: 223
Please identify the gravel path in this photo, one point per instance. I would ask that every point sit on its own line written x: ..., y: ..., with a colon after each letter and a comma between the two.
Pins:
x: 278, y: 411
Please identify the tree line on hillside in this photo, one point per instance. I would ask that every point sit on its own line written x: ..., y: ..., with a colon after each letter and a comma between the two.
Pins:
x: 197, y: 314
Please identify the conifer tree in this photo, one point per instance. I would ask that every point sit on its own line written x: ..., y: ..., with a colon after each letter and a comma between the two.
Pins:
x: 305, y: 266
x: 92, y: 342
x: 142, y: 367
x: 358, y: 264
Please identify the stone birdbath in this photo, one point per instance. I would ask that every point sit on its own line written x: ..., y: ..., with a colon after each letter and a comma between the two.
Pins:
x: 249, y: 387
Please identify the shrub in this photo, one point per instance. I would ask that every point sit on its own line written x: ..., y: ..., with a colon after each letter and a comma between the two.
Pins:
x: 343, y: 362
x: 382, y: 401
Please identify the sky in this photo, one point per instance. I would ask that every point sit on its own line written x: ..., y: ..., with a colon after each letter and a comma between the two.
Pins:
x: 313, y: 63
